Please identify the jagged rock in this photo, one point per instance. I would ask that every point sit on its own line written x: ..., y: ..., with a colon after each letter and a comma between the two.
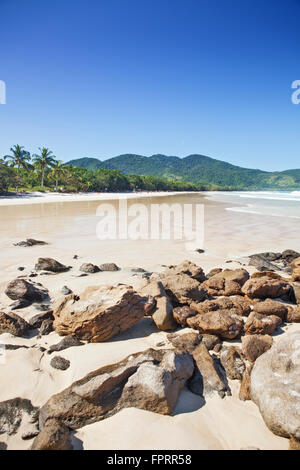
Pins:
x: 261, y: 262
x: 211, y: 341
x: 107, y: 390
x: 13, y: 412
x: 294, y: 444
x: 13, y: 324
x: 206, y: 379
x: 296, y: 275
x: 228, y: 282
x: 99, y: 313
x: 244, y: 393
x: 65, y: 290
x: 60, y: 363
x: 185, y: 341
x: 261, y: 324
x: 186, y: 267
x: 46, y: 327
x: 109, y: 267
x: 89, y: 268
x: 232, y: 361
x: 162, y: 311
x: 265, y: 287
x: 19, y: 304
x: 54, y: 436
x: 254, y: 346
x: 223, y: 323
x: 50, y: 264
x: 275, y: 386
x: 294, y: 315
x: 236, y: 302
x: 181, y: 314
x: 30, y: 242
x: 182, y: 289
x: 20, y: 289
x: 271, y: 307
x: 212, y: 272
x: 37, y: 320
x: 65, y: 343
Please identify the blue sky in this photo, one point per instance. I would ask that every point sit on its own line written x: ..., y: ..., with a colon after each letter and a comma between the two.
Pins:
x: 101, y: 78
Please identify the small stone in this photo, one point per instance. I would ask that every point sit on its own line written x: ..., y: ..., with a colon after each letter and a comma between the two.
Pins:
x: 109, y: 267
x: 46, y: 327
x: 60, y: 363
x: 65, y: 290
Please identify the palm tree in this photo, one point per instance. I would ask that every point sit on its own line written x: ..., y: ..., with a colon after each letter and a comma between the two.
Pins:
x: 43, y: 161
x: 20, y: 158
x: 58, y: 170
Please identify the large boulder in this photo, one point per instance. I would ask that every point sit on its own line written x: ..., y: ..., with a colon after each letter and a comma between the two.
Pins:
x: 228, y: 282
x: 271, y: 307
x: 150, y: 380
x: 54, y: 436
x: 237, y: 302
x: 223, y: 323
x: 254, y: 346
x: 294, y: 315
x: 181, y: 314
x: 162, y: 314
x: 21, y: 289
x: 233, y: 363
x: 186, y: 267
x: 13, y: 324
x: 261, y: 324
x: 185, y: 341
x: 265, y: 287
x: 99, y: 313
x: 182, y: 289
x: 275, y: 386
x: 50, y: 264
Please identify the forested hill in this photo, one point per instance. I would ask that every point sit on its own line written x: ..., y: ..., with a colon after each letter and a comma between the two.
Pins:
x: 197, y: 169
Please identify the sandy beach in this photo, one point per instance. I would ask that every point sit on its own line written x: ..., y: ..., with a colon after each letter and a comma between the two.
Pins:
x: 68, y: 224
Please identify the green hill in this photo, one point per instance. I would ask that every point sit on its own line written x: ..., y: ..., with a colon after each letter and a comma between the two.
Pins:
x: 195, y: 169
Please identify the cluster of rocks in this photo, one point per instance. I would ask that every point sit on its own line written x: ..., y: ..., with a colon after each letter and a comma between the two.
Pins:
x: 202, y: 313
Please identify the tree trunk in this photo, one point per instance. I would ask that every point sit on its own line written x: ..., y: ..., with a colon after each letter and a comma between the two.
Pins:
x: 42, y: 182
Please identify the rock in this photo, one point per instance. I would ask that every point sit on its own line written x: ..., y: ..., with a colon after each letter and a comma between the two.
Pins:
x: 206, y: 379
x: 237, y: 302
x: 54, y: 436
x: 13, y: 324
x: 223, y: 323
x: 294, y: 315
x: 188, y: 268
x: 211, y: 341
x: 30, y: 242
x: 289, y: 255
x: 261, y: 324
x: 212, y: 272
x: 3, y: 446
x: 181, y: 314
x: 244, y: 393
x: 89, y: 268
x: 37, y: 320
x: 294, y: 444
x: 296, y: 274
x: 60, y: 363
x: 21, y: 268
x: 200, y: 251
x: 232, y: 361
x: 46, y: 327
x: 271, y: 307
x: 182, y: 289
x: 65, y: 343
x: 254, y: 346
x: 265, y: 287
x: 296, y: 292
x: 138, y: 270
x: 275, y: 386
x: 20, y: 289
x: 186, y: 342
x: 99, y: 313
x: 50, y: 264
x: 163, y: 315
x: 14, y: 412
x: 228, y: 282
x: 262, y: 263
x: 107, y: 390
x: 65, y: 290
x: 295, y: 263
x: 269, y: 274
x: 19, y: 304
x: 109, y: 267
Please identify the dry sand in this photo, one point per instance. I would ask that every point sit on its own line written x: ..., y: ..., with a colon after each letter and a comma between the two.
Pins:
x: 71, y: 229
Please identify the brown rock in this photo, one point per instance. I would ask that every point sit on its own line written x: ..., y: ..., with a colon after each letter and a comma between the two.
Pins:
x: 296, y: 274
x: 227, y: 282
x: 212, y: 272
x: 237, y: 302
x: 54, y: 436
x: 244, y: 393
x: 289, y: 255
x: 181, y: 314
x: 161, y: 306
x: 99, y: 313
x: 261, y: 324
x: 89, y: 268
x: 265, y: 287
x: 294, y: 315
x: 223, y: 323
x: 13, y: 324
x: 20, y: 289
x: 188, y: 268
x: 109, y: 267
x: 183, y: 289
x: 294, y: 444
x: 269, y: 274
x: 254, y: 346
x: 185, y: 341
x: 211, y: 341
x: 233, y: 363
x: 271, y: 307
x: 296, y: 292
x: 295, y: 263
x: 50, y: 264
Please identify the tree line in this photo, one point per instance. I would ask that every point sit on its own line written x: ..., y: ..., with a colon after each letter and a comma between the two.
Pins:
x: 21, y: 171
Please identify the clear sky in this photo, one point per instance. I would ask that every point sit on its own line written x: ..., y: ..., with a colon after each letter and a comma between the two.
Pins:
x: 99, y: 78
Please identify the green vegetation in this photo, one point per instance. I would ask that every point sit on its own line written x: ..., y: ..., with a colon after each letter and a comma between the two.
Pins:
x: 197, y: 169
